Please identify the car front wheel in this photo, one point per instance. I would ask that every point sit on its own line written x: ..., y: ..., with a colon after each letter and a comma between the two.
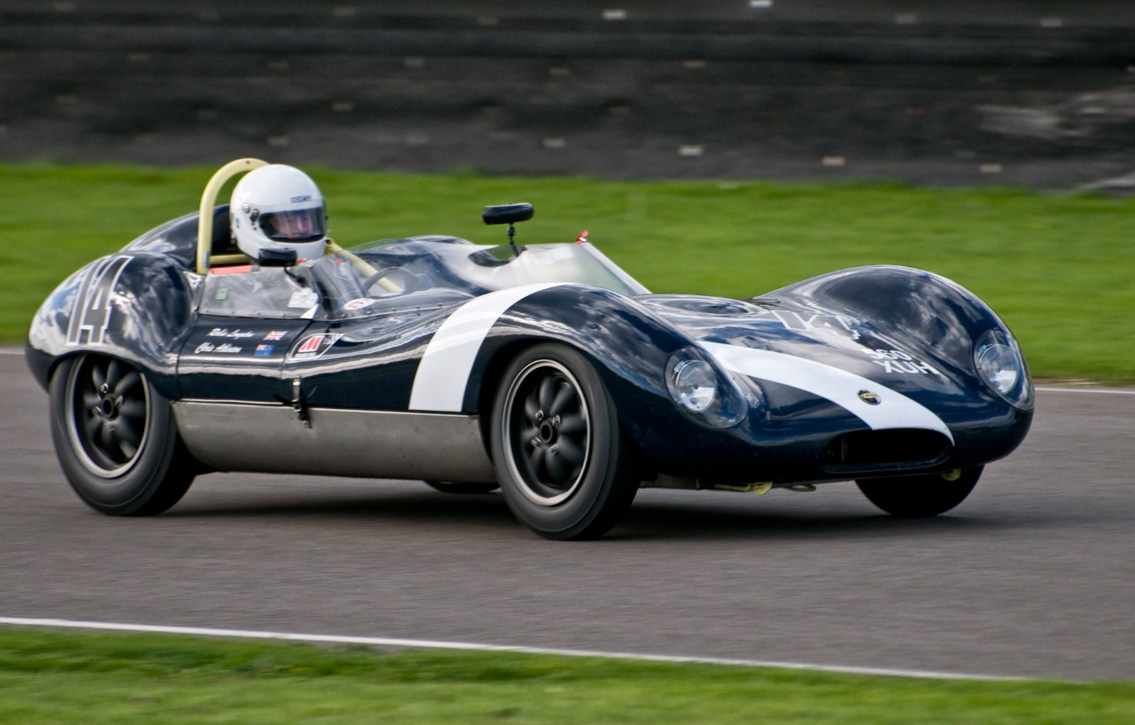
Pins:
x: 920, y: 496
x: 116, y: 438
x: 563, y: 465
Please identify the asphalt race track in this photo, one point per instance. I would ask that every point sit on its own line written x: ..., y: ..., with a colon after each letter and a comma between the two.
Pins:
x: 1034, y: 575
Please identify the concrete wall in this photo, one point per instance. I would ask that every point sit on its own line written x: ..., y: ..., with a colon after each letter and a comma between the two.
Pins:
x: 1001, y: 92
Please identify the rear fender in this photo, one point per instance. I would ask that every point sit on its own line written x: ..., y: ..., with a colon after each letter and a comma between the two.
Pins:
x: 133, y: 307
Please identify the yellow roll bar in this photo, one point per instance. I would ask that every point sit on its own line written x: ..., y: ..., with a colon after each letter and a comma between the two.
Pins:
x: 208, y: 201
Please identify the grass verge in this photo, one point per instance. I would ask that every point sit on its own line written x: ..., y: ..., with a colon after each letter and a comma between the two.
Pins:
x: 1055, y: 267
x: 50, y: 677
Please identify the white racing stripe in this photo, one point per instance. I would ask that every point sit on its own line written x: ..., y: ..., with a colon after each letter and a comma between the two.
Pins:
x: 894, y: 409
x: 434, y: 644
x: 439, y: 385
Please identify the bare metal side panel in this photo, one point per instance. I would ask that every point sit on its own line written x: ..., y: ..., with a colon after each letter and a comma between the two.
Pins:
x: 364, y: 444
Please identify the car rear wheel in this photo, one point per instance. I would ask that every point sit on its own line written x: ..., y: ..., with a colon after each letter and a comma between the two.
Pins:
x: 920, y: 496
x: 116, y: 438
x: 564, y: 468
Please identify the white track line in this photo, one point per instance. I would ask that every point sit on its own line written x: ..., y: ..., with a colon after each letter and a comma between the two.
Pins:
x: 469, y: 646
x: 1087, y: 389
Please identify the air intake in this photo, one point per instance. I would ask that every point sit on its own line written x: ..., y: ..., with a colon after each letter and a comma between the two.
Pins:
x: 881, y: 451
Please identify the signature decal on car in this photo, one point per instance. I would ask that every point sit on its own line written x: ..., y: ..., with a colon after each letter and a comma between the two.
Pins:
x: 233, y: 334
x: 93, y: 313
x: 224, y: 348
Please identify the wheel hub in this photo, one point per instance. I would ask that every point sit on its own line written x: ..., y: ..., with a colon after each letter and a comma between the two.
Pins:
x: 108, y: 406
x: 550, y: 422
x: 107, y: 418
x: 547, y: 432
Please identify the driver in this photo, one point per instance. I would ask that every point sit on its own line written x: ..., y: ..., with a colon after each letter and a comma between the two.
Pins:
x: 279, y: 207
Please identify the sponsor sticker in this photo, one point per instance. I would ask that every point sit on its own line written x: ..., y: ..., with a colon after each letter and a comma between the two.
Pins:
x: 303, y: 299
x: 358, y: 304
x: 314, y: 346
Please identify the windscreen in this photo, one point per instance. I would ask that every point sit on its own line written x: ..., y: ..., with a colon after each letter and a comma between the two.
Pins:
x: 383, y: 277
x: 478, y: 269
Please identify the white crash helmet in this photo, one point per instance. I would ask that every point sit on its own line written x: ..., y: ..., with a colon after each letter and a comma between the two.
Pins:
x: 278, y: 207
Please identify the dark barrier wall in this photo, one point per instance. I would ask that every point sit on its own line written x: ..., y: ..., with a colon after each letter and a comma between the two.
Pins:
x: 1030, y: 92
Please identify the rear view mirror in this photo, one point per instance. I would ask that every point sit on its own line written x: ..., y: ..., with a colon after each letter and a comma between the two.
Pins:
x: 507, y: 213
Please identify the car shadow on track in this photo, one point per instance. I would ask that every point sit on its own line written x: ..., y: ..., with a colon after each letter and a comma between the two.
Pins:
x: 358, y: 504
x: 696, y: 517
x: 653, y: 521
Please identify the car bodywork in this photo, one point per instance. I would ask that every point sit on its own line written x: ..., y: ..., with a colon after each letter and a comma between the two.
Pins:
x: 877, y: 372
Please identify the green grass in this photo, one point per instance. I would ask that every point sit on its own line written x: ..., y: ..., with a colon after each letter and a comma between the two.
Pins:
x: 53, y: 677
x: 1056, y: 267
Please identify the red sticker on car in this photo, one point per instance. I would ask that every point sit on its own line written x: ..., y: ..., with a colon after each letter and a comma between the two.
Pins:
x: 314, y: 345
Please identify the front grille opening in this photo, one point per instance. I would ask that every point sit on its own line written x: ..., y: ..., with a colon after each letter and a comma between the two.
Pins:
x: 885, y: 450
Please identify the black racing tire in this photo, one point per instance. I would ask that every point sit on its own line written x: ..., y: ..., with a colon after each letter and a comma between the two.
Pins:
x: 463, y: 487
x: 116, y: 438
x: 920, y: 496
x: 565, y: 469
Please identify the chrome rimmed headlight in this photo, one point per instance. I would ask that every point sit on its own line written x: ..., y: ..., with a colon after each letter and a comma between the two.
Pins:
x: 1001, y: 365
x: 701, y: 392
x: 693, y: 385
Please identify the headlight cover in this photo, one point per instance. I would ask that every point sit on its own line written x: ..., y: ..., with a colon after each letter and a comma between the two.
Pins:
x: 1001, y: 365
x: 701, y: 392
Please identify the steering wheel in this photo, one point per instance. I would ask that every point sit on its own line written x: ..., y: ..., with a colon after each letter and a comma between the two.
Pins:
x: 395, y: 279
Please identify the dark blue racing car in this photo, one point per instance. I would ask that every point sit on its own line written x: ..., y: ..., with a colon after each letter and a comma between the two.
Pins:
x: 542, y: 369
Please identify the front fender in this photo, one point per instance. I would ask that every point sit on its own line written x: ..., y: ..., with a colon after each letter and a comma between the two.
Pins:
x: 906, y: 303
x: 628, y: 344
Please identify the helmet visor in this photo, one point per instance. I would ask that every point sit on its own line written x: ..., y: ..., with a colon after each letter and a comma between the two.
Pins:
x: 299, y: 225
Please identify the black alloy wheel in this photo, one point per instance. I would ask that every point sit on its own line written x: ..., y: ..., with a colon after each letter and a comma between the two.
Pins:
x: 557, y: 447
x: 116, y: 438
x: 107, y: 416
